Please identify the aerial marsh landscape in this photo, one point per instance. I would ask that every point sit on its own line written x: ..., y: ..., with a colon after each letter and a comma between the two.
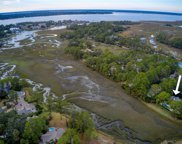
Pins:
x: 90, y: 72
x: 42, y: 58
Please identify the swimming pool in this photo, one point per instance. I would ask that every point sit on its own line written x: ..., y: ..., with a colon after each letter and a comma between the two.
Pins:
x: 180, y: 64
x: 51, y: 129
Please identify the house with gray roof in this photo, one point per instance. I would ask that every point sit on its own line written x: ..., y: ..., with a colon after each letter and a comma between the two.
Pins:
x: 174, y: 98
x: 52, y: 135
x: 22, y: 107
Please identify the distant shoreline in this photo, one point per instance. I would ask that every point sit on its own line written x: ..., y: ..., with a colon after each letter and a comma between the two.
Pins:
x: 23, y: 14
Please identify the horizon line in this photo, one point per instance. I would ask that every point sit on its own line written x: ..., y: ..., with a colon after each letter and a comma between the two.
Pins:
x: 124, y: 10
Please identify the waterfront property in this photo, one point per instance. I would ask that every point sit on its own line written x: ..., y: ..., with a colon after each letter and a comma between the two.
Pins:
x: 152, y: 41
x: 52, y: 135
x: 174, y: 98
x: 166, y: 106
x: 180, y: 64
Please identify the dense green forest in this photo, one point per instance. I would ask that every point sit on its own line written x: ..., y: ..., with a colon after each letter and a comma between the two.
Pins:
x: 105, y: 32
x: 142, y: 71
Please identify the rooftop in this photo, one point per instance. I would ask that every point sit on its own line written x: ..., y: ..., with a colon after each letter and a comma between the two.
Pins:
x: 22, y: 106
x: 52, y: 135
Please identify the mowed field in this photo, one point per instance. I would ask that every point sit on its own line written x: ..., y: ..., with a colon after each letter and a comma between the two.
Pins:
x: 40, y: 62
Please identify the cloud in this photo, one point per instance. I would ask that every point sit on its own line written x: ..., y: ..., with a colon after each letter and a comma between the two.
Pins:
x: 8, y: 2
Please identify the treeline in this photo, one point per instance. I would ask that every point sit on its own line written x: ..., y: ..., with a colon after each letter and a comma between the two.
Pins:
x: 5, y: 31
x: 145, y: 76
x: 142, y: 73
x: 148, y: 77
x: 101, y: 32
x: 167, y: 39
x: 136, y: 70
x: 12, y: 15
x: 105, y: 32
x: 16, y: 129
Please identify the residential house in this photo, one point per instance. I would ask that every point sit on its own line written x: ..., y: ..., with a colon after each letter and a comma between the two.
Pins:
x: 180, y: 64
x: 143, y: 40
x: 52, y: 135
x: 174, y: 98
x: 22, y: 106
x: 152, y: 41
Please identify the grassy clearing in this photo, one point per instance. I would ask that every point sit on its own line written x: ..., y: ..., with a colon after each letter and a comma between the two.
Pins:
x: 161, y: 111
x: 107, y: 139
x: 1, y: 103
x: 103, y: 138
x: 112, y: 48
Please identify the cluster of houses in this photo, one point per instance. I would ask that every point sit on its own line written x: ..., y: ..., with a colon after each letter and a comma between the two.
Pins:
x: 15, y: 30
x: 22, y: 107
x: 152, y: 40
x: 17, y: 102
x: 28, y: 26
x: 45, y: 25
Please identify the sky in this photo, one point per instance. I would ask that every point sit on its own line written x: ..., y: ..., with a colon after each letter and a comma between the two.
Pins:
x: 154, y: 5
